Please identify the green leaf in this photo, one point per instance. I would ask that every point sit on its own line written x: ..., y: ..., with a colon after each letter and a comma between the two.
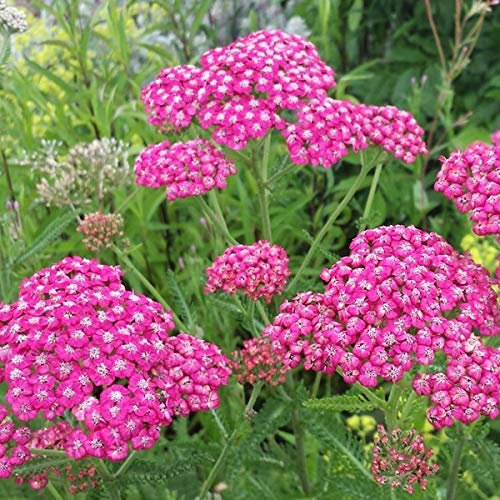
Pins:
x: 51, y: 232
x: 353, y: 404
x: 355, y: 15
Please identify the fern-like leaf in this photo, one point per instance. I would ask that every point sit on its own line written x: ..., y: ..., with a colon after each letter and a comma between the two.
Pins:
x: 352, y: 403
x: 179, y: 302
x: 51, y: 233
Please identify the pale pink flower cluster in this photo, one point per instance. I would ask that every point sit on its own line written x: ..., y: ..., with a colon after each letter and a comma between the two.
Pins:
x: 186, y: 168
x: 101, y: 230
x: 258, y: 270
x: 468, y: 388
x: 400, y: 297
x: 400, y: 459
x: 326, y: 129
x: 257, y: 361
x: 472, y: 180
x: 77, y: 340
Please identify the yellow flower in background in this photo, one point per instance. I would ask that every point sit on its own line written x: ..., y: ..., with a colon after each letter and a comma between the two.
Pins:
x: 481, y: 251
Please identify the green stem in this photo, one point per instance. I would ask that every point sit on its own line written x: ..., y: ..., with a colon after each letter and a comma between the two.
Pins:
x: 109, y: 478
x: 218, y: 220
x: 372, y: 396
x: 391, y: 410
x: 263, y: 313
x: 263, y: 194
x: 131, y: 266
x: 333, y: 217
x: 451, y: 489
x: 251, y: 317
x: 232, y: 438
x: 54, y: 491
x: 315, y: 388
x: 298, y: 432
x: 407, y: 408
x: 125, y: 465
x: 371, y: 196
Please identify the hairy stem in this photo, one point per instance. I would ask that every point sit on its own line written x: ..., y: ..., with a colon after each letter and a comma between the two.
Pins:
x: 125, y: 465
x: 371, y: 196
x: 263, y: 194
x: 54, y: 491
x: 451, y: 488
x: 218, y: 221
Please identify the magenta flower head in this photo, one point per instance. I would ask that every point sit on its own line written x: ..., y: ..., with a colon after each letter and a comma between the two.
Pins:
x: 258, y: 270
x: 186, y: 168
x: 80, y: 341
x: 399, y: 297
x: 326, y: 129
x: 472, y: 180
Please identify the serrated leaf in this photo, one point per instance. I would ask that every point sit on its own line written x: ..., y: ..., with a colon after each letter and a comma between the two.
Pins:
x: 353, y: 404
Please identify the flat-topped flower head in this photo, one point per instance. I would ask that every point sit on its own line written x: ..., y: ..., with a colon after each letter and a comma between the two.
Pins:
x: 258, y: 270
x: 186, y: 169
x: 400, y: 459
x: 79, y: 341
x: 327, y: 129
x: 472, y: 180
x: 401, y: 296
x: 285, y: 68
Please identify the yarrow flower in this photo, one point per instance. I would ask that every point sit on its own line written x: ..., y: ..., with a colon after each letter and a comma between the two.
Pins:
x: 186, y: 169
x: 12, y: 19
x: 101, y: 230
x: 325, y: 129
x: 77, y: 340
x: 472, y: 180
x: 259, y: 270
x: 400, y: 459
x: 257, y: 361
x: 400, y: 297
x: 80, y: 475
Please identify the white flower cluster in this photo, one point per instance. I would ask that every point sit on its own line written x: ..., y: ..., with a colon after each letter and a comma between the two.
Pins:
x: 86, y: 174
x: 12, y: 19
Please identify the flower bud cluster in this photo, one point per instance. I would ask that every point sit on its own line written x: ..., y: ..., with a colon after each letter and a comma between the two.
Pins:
x: 326, y: 129
x: 258, y: 270
x: 101, y: 230
x: 54, y: 438
x: 186, y: 169
x: 400, y: 297
x: 472, y: 180
x: 257, y: 361
x: 400, y: 459
x: 77, y: 340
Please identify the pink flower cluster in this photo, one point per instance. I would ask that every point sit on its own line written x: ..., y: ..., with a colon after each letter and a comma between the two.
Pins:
x: 469, y: 386
x: 54, y: 438
x: 13, y: 444
x: 240, y: 87
x: 401, y: 296
x: 77, y: 340
x: 101, y: 230
x: 257, y: 361
x: 401, y: 460
x: 259, y: 270
x: 472, y: 180
x: 326, y: 129
x: 186, y: 168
